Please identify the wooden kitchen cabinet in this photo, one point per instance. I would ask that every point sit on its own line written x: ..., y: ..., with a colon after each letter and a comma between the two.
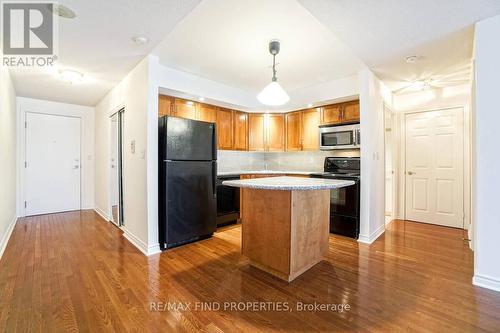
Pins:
x: 340, y: 113
x: 240, y: 130
x: 206, y: 112
x: 275, y: 132
x: 164, y: 105
x: 310, y: 129
x: 224, y: 128
x: 256, y: 132
x: 293, y: 124
x: 331, y: 114
x: 184, y: 109
x: 350, y: 112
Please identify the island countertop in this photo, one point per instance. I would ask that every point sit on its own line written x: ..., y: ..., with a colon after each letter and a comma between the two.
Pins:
x: 289, y: 183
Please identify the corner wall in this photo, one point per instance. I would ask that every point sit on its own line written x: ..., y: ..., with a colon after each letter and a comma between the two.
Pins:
x: 8, y: 157
x: 372, y: 97
x: 133, y: 93
x: 487, y: 157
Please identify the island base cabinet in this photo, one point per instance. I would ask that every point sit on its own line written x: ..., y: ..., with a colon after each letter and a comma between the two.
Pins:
x: 285, y: 233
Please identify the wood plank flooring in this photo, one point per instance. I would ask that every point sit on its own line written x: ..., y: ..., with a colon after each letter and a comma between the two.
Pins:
x: 75, y: 272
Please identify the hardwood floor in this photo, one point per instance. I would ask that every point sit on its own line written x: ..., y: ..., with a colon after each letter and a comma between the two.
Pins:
x: 74, y: 271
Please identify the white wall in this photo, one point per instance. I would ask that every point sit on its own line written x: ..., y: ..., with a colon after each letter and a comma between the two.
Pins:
x: 487, y: 158
x: 372, y: 96
x: 7, y: 157
x: 86, y: 114
x: 133, y: 93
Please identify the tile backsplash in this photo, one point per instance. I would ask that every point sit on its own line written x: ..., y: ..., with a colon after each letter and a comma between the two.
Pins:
x: 229, y: 160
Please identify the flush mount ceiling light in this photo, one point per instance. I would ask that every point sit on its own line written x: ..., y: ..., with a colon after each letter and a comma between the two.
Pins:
x: 273, y: 93
x: 71, y: 76
x: 411, y: 59
x: 140, y: 40
x: 62, y: 11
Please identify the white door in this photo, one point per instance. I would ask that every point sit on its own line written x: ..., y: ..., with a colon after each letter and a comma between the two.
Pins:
x: 434, y: 167
x: 52, y: 173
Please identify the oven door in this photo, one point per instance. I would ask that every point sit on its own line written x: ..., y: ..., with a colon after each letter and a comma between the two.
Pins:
x: 339, y: 137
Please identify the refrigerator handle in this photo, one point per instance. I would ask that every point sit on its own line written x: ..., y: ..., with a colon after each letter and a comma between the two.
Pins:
x: 214, y: 141
x: 214, y: 179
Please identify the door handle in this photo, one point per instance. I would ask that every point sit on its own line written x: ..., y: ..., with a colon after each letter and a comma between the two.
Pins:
x: 410, y: 173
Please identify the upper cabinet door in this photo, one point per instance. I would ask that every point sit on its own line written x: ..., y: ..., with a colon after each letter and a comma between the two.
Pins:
x: 207, y: 113
x: 224, y: 128
x: 240, y: 130
x: 331, y: 114
x: 164, y: 105
x: 310, y: 129
x: 256, y: 132
x: 184, y: 109
x: 351, y: 112
x: 276, y: 132
x: 293, y: 131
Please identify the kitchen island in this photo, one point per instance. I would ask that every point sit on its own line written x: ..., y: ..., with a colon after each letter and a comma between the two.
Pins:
x: 285, y: 222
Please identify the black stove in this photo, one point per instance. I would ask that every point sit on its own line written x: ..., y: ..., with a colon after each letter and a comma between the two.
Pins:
x: 344, y: 202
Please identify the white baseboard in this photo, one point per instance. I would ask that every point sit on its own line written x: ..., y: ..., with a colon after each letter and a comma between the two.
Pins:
x: 102, y: 213
x: 140, y: 245
x: 373, y: 236
x: 6, y: 237
x: 486, y: 282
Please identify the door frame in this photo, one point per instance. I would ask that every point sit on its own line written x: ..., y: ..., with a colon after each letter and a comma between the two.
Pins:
x: 466, y: 198
x: 395, y: 165
x: 120, y: 113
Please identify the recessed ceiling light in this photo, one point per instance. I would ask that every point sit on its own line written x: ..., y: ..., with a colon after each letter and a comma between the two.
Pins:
x: 140, y: 40
x: 309, y: 105
x: 201, y: 99
x: 71, y: 76
x: 411, y: 59
x: 62, y: 11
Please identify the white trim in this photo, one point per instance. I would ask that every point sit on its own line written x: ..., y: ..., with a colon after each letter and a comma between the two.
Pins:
x: 487, y: 282
x: 140, y: 245
x: 6, y: 237
x: 102, y: 213
x: 373, y: 236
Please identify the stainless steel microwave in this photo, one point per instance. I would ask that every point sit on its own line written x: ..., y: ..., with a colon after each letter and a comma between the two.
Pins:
x: 339, y: 137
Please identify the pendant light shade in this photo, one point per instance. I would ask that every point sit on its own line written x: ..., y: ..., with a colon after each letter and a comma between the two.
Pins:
x: 273, y: 94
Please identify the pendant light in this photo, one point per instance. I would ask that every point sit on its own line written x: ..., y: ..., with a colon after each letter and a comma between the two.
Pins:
x: 273, y: 93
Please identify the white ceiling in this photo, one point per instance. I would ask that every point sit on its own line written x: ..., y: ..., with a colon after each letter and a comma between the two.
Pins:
x: 383, y: 32
x: 98, y: 43
x: 227, y: 41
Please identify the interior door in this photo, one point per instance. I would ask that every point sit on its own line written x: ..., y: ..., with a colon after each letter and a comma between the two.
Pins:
x: 52, y: 169
x: 116, y: 186
x: 434, y: 167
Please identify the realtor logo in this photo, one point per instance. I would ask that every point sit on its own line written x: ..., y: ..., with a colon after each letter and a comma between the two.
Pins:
x: 28, y: 29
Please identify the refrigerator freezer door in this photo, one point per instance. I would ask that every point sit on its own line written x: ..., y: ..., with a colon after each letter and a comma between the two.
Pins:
x: 189, y: 140
x: 189, y: 202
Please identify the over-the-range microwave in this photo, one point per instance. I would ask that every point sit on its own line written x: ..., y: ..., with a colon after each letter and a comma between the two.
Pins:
x: 339, y: 137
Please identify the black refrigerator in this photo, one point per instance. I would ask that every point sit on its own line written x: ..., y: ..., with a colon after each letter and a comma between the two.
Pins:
x: 187, y: 180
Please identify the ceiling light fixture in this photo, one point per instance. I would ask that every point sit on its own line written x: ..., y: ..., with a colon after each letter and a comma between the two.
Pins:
x: 62, y: 11
x: 309, y: 105
x: 273, y: 93
x: 71, y: 76
x: 140, y: 40
x: 201, y: 99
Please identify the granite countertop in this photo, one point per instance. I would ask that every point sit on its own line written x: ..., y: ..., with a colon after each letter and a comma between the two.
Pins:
x: 289, y: 183
x: 264, y: 172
